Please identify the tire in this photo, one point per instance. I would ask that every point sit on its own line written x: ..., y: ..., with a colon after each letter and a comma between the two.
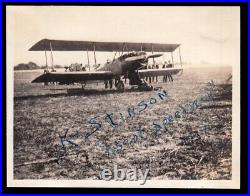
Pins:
x: 120, y: 86
x: 145, y: 87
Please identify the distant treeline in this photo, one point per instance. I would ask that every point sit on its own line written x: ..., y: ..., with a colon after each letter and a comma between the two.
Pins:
x: 32, y: 65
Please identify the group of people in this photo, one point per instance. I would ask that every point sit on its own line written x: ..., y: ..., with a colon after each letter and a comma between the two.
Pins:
x: 167, y: 77
x: 108, y: 82
x: 111, y: 82
x: 150, y: 79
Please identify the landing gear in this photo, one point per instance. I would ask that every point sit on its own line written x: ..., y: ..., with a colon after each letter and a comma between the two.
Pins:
x: 135, y: 79
x: 120, y: 86
x: 83, y: 84
x: 144, y: 86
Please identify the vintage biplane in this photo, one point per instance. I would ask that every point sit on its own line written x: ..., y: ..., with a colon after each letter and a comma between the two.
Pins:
x: 127, y: 65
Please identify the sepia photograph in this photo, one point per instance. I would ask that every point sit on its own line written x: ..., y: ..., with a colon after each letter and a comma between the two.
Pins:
x: 123, y: 96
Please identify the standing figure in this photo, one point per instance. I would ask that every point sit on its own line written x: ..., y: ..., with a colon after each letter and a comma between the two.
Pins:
x: 110, y: 83
x: 149, y: 77
x: 170, y: 78
x: 153, y: 78
x: 146, y: 67
x: 106, y: 84
x: 156, y: 77
x: 164, y: 77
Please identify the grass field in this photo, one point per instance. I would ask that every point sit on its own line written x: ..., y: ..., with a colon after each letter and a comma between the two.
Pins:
x: 195, y: 146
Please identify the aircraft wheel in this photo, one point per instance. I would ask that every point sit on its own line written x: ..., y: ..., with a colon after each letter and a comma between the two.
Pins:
x: 83, y: 84
x: 145, y: 87
x: 120, y: 86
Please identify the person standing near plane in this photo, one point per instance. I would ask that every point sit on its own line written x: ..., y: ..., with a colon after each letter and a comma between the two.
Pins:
x: 169, y: 75
x: 165, y: 76
x: 153, y: 67
x: 111, y: 83
x: 149, y: 77
x: 156, y: 77
x: 146, y: 67
x: 106, y: 84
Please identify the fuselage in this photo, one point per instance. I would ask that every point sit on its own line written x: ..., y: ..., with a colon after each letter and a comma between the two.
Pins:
x: 121, y: 66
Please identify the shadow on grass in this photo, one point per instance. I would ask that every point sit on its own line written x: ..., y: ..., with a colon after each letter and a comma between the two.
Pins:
x: 78, y: 92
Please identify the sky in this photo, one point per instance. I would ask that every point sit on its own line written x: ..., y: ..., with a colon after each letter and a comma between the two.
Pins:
x: 206, y: 34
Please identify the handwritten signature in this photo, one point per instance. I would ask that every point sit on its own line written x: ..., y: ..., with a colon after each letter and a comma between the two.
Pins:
x: 140, y: 134
x: 132, y: 111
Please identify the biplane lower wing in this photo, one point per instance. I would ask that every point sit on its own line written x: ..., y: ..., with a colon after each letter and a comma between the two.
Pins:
x: 71, y: 77
x: 159, y: 72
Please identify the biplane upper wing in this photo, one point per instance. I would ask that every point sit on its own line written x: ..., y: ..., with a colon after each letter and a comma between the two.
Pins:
x: 158, y: 72
x: 64, y: 45
x: 71, y: 77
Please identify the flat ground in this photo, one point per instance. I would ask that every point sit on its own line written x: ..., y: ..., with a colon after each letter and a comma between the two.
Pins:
x: 196, y: 145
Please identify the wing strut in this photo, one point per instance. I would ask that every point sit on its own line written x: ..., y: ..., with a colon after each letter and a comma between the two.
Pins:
x: 152, y: 49
x: 127, y: 48
x: 94, y: 52
x: 180, y: 55
x: 46, y: 61
x: 114, y: 56
x: 51, y: 56
x: 123, y: 46
x: 88, y: 58
x: 172, y: 57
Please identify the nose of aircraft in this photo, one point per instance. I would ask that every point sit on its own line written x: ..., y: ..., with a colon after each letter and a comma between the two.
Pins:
x: 130, y: 66
x: 135, y: 62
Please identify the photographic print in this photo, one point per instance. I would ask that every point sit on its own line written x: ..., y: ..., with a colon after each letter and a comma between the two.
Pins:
x: 123, y: 96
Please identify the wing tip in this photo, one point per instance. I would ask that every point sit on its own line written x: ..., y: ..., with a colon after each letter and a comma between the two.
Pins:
x: 33, y: 48
x: 40, y: 79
